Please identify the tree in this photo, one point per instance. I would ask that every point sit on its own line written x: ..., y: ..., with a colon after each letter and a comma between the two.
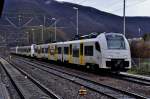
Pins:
x: 146, y: 37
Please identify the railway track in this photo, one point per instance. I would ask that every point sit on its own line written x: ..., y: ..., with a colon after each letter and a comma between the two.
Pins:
x: 95, y: 86
x: 123, y: 76
x: 4, y: 94
x: 26, y: 86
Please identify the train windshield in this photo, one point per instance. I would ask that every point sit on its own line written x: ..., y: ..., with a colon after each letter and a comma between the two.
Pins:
x: 115, y: 42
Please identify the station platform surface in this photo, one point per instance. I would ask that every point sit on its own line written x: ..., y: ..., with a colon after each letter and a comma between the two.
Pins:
x: 135, y: 75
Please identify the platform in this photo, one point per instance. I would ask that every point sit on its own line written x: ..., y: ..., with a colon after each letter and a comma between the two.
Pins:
x: 137, y: 76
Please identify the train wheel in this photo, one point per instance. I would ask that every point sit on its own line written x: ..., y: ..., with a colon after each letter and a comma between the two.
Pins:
x: 94, y: 67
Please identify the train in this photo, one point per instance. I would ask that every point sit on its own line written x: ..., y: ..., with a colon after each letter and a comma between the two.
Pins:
x: 109, y: 51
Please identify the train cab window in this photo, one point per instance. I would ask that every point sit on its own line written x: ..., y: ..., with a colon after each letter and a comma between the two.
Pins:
x: 115, y: 42
x: 76, y: 52
x: 66, y: 50
x: 97, y: 46
x: 88, y: 50
x: 59, y: 50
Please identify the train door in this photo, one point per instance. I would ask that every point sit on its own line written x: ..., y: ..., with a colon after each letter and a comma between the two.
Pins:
x: 98, y: 54
x: 70, y: 53
x: 49, y: 55
x: 39, y: 51
x: 81, y: 58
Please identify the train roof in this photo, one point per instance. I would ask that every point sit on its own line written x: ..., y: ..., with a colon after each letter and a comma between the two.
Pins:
x: 86, y: 38
x: 23, y: 46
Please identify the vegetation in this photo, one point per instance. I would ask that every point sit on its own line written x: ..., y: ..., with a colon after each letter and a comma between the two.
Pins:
x: 140, y: 49
x: 143, y: 69
x: 146, y: 37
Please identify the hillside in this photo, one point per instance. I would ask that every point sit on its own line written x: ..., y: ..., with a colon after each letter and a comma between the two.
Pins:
x: 90, y: 19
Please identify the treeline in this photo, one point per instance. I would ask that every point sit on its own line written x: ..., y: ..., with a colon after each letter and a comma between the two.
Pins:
x: 146, y: 37
x: 141, y: 48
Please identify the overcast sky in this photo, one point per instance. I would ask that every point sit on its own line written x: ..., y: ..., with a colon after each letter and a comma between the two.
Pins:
x: 133, y: 7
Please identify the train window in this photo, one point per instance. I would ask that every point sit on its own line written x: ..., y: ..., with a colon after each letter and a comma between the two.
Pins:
x: 43, y: 50
x: 97, y: 46
x: 70, y: 49
x: 59, y: 50
x: 75, y: 52
x: 46, y: 50
x: 66, y: 50
x: 81, y: 49
x: 88, y: 50
x: 29, y: 50
x: 36, y: 50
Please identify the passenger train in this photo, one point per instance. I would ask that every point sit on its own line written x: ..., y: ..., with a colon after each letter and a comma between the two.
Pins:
x: 108, y: 51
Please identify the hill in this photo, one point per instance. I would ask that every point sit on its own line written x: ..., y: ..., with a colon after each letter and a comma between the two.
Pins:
x: 90, y: 19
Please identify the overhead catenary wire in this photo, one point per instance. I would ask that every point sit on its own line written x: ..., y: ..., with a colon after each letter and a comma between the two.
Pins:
x: 113, y: 4
x: 116, y: 3
x: 129, y: 5
x: 82, y: 1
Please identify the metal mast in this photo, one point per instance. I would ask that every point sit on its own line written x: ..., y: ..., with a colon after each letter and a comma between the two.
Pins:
x: 124, y: 17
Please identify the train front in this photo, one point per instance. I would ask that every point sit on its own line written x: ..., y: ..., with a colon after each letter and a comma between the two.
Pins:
x: 115, y: 52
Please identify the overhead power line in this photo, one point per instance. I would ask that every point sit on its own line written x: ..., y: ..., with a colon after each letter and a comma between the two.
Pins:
x: 129, y: 5
x: 82, y: 1
x: 115, y: 3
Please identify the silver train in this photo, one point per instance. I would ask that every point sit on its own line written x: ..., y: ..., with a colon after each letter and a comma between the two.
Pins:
x: 105, y: 51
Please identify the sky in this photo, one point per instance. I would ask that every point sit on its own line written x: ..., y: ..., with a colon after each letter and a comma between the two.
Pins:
x: 133, y: 7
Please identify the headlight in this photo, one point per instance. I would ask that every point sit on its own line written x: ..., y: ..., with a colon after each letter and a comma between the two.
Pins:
x: 110, y: 56
x: 125, y: 56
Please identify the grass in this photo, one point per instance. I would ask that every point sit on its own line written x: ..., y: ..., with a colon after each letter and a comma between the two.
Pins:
x: 143, y: 69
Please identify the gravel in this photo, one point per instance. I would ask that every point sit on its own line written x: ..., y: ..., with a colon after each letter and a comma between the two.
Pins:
x: 108, y: 80
x: 11, y: 90
x: 62, y: 87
